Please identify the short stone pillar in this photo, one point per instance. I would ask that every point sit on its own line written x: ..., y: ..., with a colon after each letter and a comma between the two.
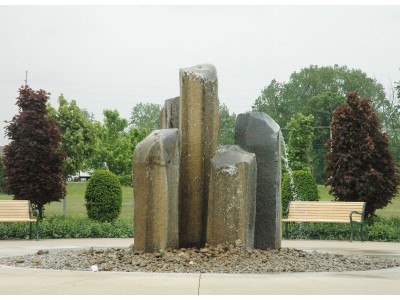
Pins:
x: 258, y: 133
x: 156, y: 190
x: 199, y: 139
x: 169, y: 115
x: 232, y: 199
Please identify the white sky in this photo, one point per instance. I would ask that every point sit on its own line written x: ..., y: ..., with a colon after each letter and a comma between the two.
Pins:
x: 112, y: 57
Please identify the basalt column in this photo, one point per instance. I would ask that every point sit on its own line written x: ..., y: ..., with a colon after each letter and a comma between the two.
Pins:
x: 169, y: 115
x: 232, y: 200
x: 258, y: 133
x: 156, y: 190
x: 199, y: 139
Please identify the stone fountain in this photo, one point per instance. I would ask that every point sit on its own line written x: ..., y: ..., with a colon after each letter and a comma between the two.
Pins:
x: 189, y: 191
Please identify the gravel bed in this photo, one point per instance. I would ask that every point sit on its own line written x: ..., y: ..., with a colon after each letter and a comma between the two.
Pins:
x: 223, y: 258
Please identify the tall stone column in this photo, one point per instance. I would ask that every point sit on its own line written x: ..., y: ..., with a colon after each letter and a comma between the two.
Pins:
x: 232, y: 199
x: 199, y: 139
x: 169, y: 115
x: 258, y: 133
x: 156, y: 190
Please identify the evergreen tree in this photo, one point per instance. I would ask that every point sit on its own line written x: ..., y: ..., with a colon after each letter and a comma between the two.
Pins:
x: 301, y: 132
x: 360, y: 166
x: 33, y: 164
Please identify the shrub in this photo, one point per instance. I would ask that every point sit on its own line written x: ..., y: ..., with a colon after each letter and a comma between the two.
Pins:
x: 379, y: 230
x: 103, y: 196
x: 305, y: 188
x: 361, y: 166
x: 64, y: 227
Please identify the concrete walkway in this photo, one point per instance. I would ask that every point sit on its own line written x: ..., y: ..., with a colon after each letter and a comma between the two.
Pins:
x: 24, y: 281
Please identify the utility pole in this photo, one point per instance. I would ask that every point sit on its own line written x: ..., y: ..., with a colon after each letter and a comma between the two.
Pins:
x: 26, y: 78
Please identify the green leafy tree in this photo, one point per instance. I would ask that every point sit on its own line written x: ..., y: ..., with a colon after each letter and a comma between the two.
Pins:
x: 283, y: 100
x: 227, y: 126
x: 115, y: 149
x: 317, y: 91
x: 79, y: 141
x: 301, y: 133
x: 392, y: 124
x: 273, y: 102
x: 145, y: 115
x: 321, y: 107
x: 360, y: 165
x: 34, y: 164
x: 117, y: 142
x: 2, y: 177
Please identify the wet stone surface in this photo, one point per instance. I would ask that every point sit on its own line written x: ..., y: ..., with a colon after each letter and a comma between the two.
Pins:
x: 223, y: 258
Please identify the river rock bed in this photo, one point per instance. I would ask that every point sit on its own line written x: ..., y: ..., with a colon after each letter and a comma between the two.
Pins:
x: 224, y: 258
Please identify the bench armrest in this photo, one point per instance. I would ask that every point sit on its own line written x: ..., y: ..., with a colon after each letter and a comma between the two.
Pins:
x: 35, y: 211
x: 358, y: 213
x: 286, y: 213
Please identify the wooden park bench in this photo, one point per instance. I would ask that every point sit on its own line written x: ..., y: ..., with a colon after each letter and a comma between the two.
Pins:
x: 326, y: 212
x: 19, y: 211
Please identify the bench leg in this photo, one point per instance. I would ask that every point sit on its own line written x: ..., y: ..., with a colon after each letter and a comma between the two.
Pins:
x: 362, y: 232
x: 351, y: 234
x: 37, y: 230
x: 30, y: 230
x: 287, y: 230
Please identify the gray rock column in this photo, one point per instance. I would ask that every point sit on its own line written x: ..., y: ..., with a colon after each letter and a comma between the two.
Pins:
x: 199, y: 139
x: 258, y: 133
x: 156, y: 190
x: 232, y: 199
x: 169, y: 115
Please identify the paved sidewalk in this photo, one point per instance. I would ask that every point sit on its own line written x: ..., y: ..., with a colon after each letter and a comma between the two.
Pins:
x: 24, y: 281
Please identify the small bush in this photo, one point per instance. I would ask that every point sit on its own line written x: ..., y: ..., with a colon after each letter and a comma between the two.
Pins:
x: 305, y: 186
x: 103, y: 196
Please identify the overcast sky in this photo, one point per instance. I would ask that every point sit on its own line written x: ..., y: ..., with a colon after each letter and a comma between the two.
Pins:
x: 113, y: 57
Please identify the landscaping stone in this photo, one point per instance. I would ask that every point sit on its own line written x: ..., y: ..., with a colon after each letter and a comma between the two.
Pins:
x: 223, y: 258
x: 232, y: 198
x: 156, y: 183
x: 258, y: 133
x: 169, y: 115
x: 199, y: 139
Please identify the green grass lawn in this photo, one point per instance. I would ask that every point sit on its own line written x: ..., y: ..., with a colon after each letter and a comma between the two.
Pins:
x: 76, y: 202
x: 392, y: 210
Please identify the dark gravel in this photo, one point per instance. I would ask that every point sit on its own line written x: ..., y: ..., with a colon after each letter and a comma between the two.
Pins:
x: 224, y: 258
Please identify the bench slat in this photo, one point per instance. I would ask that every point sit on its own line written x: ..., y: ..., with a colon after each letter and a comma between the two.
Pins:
x: 327, y: 212
x: 305, y: 214
x: 15, y: 211
x: 316, y: 220
x: 17, y: 220
x: 18, y: 211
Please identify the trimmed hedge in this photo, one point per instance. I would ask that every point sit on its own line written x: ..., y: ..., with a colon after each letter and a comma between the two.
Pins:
x: 378, y: 230
x: 103, y: 196
x: 62, y: 227
x: 305, y: 184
